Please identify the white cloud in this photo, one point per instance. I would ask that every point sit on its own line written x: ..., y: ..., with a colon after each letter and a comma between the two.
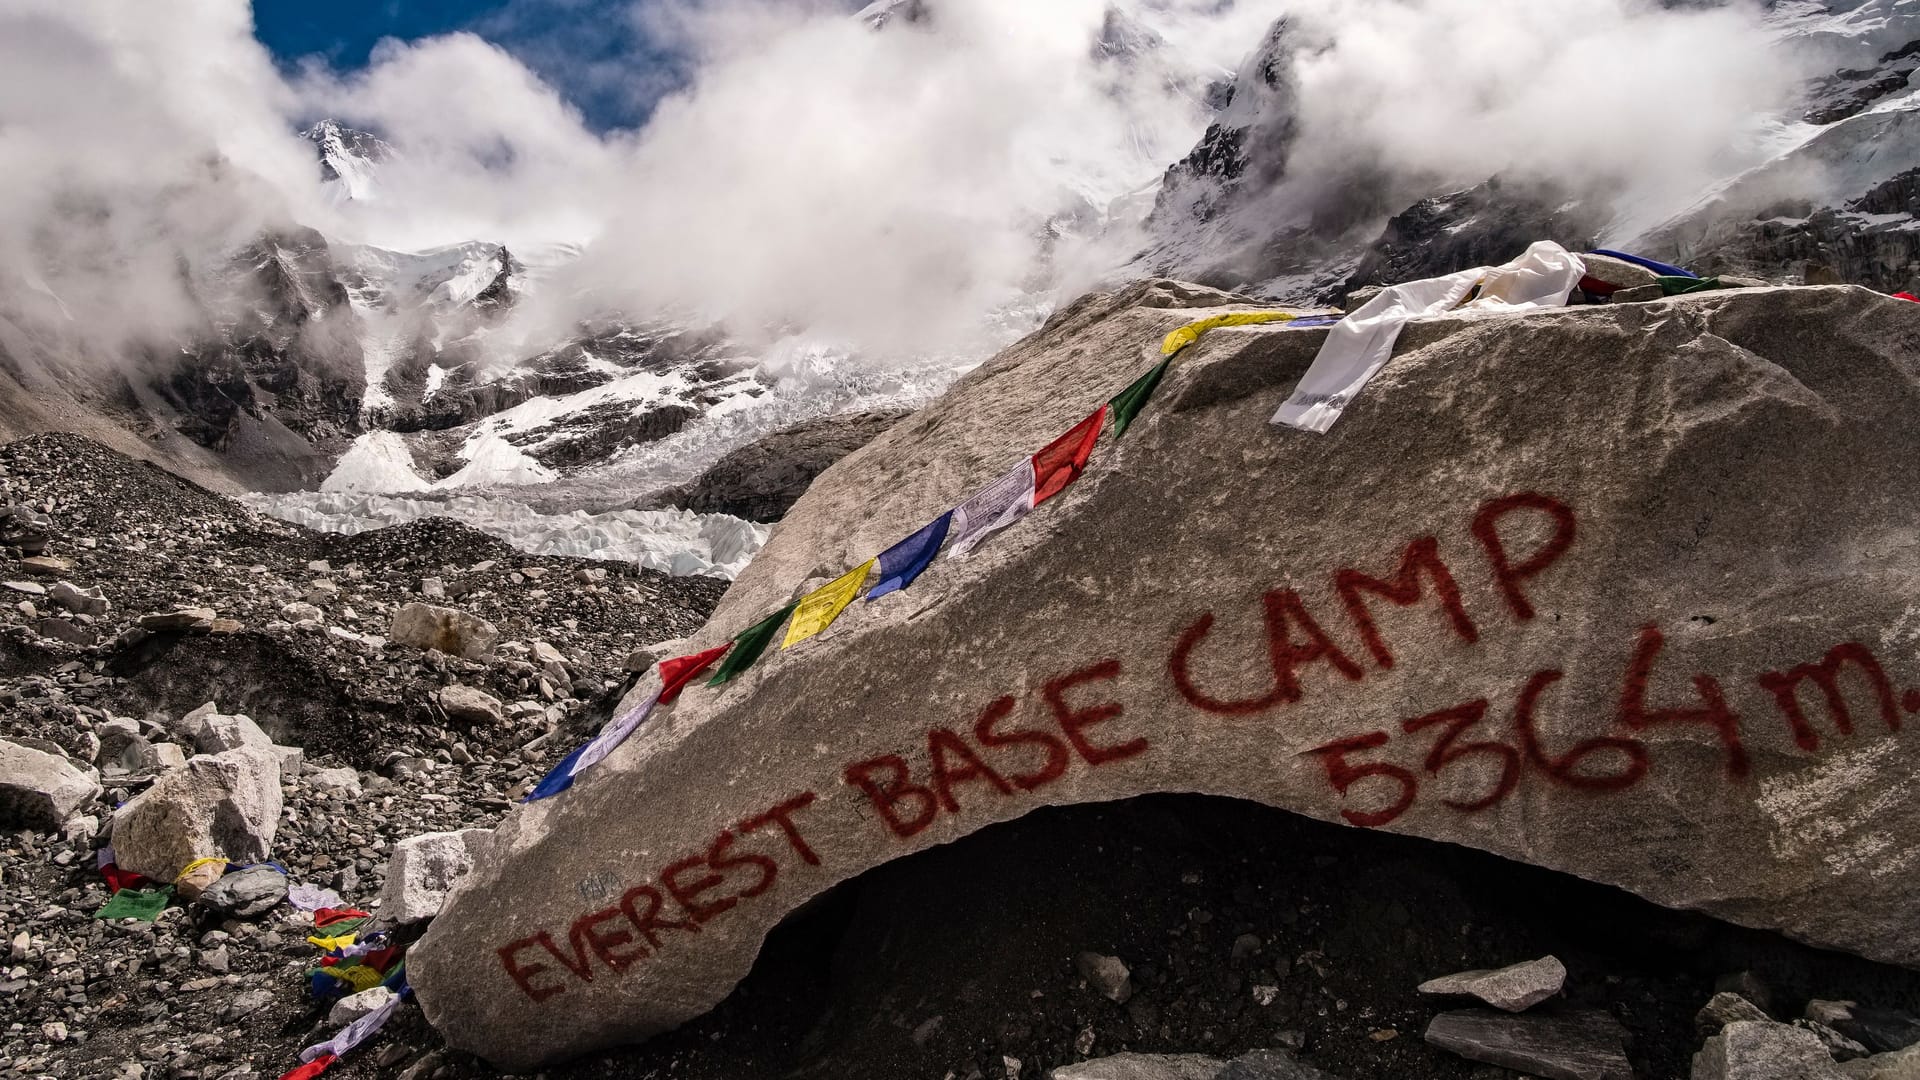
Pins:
x: 885, y: 188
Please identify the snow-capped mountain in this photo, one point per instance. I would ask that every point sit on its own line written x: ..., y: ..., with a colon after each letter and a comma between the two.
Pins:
x: 1835, y: 199
x: 356, y: 373
x: 348, y: 157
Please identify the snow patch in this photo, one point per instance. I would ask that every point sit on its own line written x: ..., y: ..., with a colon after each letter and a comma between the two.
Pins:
x: 377, y: 461
x: 492, y: 460
x: 677, y: 542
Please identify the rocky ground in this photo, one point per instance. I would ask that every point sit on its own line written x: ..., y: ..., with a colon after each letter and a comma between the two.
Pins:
x: 1173, y: 924
x: 298, y: 641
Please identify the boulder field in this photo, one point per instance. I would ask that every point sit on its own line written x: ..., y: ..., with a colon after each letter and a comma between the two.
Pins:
x: 1626, y: 591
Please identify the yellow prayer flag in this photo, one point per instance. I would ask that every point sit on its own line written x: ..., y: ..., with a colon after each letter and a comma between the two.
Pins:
x: 820, y: 607
x: 337, y: 941
x: 1191, y: 332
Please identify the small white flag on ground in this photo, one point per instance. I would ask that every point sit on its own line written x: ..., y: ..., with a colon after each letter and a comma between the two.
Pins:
x: 353, y: 1034
x: 1359, y: 346
x: 993, y: 507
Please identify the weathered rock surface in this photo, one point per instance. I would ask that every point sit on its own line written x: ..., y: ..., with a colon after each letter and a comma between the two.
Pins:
x: 1515, y: 988
x: 1580, y: 1045
x: 39, y: 790
x: 224, y: 805
x: 466, y: 705
x: 423, y: 870
x: 246, y: 893
x: 453, y: 632
x: 1663, y: 528
x: 1752, y: 1050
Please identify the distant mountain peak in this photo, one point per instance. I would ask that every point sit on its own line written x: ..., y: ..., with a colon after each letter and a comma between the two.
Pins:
x: 348, y: 156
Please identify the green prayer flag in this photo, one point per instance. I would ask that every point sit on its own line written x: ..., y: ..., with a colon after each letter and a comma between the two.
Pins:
x: 749, y: 644
x: 1672, y: 285
x: 1128, y: 403
x: 143, y: 904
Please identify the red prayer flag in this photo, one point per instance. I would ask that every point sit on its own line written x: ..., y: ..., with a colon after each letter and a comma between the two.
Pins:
x: 118, y: 879
x: 1906, y: 296
x: 1065, y: 458
x: 327, y: 916
x: 676, y: 673
x: 311, y: 1069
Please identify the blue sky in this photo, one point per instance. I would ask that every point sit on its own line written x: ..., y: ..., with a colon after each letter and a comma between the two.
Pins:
x: 591, y: 50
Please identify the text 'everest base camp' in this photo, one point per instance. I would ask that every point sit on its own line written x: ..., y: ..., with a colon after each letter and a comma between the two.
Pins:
x: 1144, y: 540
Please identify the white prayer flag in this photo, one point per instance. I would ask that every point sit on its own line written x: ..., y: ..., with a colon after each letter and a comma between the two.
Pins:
x: 1359, y: 346
x: 993, y: 507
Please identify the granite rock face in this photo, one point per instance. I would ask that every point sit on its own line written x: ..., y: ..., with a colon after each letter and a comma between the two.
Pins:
x: 1620, y: 591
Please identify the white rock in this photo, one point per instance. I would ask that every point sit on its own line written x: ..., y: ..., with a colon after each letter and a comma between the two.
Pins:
x: 354, y: 1006
x: 422, y: 871
x: 224, y: 805
x: 218, y: 734
x: 39, y: 790
x: 342, y: 781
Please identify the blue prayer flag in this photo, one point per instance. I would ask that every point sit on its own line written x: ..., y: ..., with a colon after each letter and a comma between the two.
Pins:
x: 904, y: 561
x: 559, y: 779
x: 1651, y: 264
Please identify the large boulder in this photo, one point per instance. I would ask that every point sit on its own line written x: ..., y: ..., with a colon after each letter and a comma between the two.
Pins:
x: 454, y: 632
x: 1625, y: 592
x: 39, y: 790
x: 219, y: 806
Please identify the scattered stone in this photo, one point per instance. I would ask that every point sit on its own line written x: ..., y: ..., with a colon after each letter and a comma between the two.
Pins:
x: 57, y: 629
x: 1514, y: 988
x: 301, y: 611
x: 1894, y: 1065
x: 1725, y: 1008
x: 79, y: 601
x: 1573, y: 1045
x: 187, y: 619
x: 453, y: 632
x: 1879, y: 1030
x: 1107, y: 975
x: 28, y: 587
x: 339, y: 781
x: 354, y: 1006
x: 1764, y: 1050
x: 422, y: 871
x: 433, y: 588
x: 46, y: 565
x: 466, y: 705
x: 39, y: 790
x: 1839, y: 1046
x: 246, y: 893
